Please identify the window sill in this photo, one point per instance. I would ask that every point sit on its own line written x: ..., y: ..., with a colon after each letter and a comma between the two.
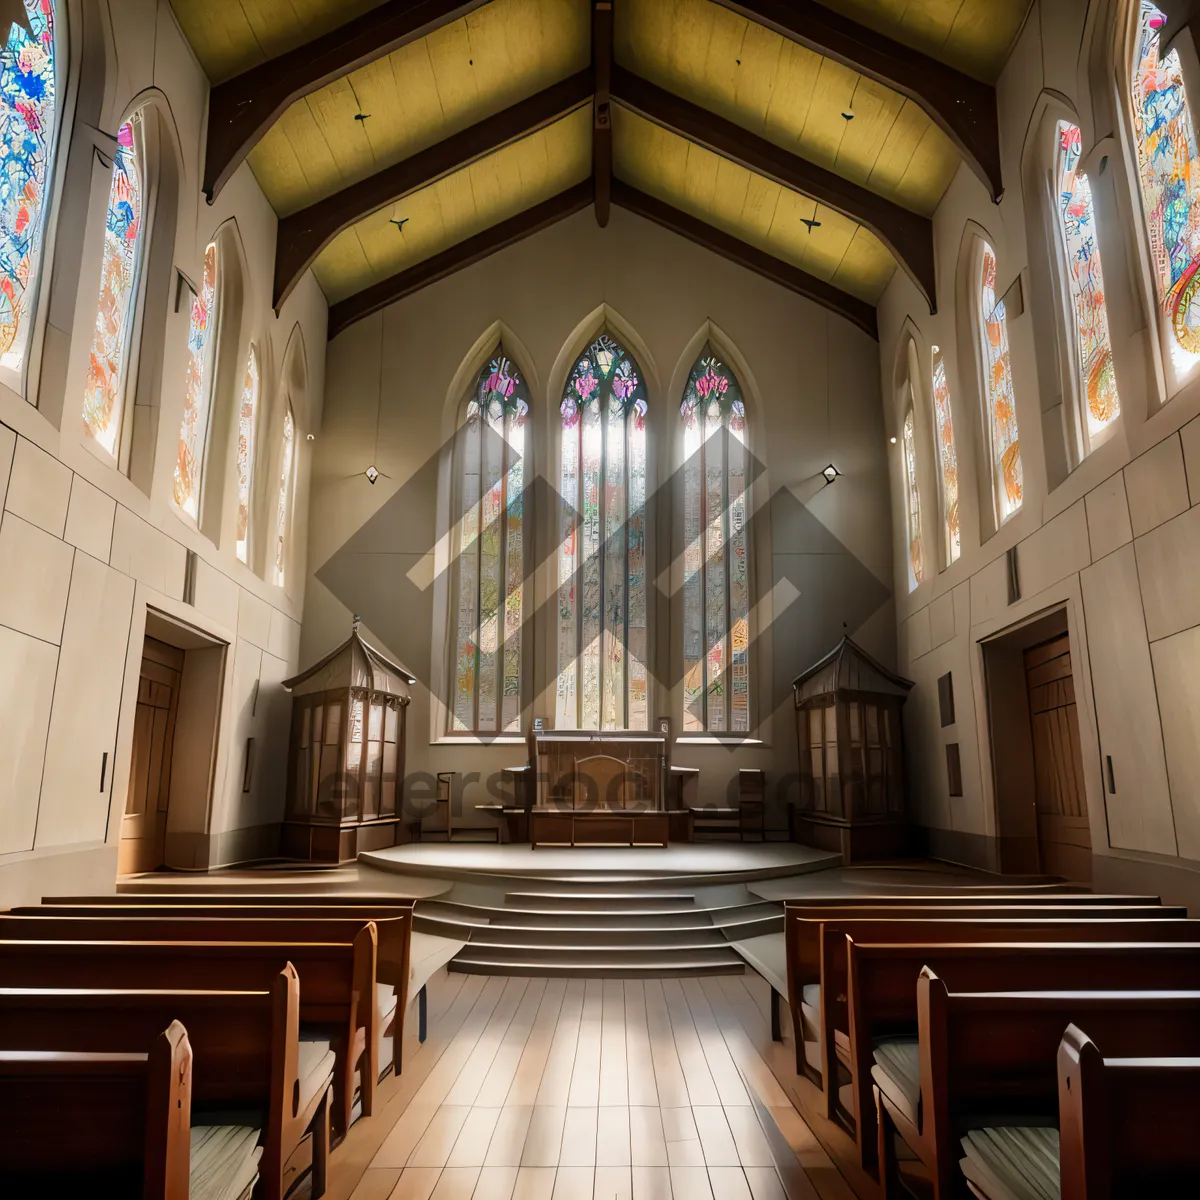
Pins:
x: 717, y: 739
x: 468, y: 739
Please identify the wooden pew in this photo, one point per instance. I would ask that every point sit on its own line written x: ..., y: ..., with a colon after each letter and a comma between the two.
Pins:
x: 177, y: 922
x: 98, y: 1124
x: 337, y: 984
x: 1127, y: 1126
x: 985, y: 1055
x: 303, y: 899
x: 245, y: 1046
x: 882, y: 987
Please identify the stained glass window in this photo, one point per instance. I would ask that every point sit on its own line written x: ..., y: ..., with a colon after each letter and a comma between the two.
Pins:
x: 1097, y: 379
x: 489, y: 606
x: 716, y: 576
x: 916, y: 562
x: 247, y: 411
x: 1167, y: 155
x: 602, y: 677
x: 28, y: 126
x: 197, y: 397
x: 998, y: 384
x: 947, y: 456
x: 104, y: 392
x: 287, y: 467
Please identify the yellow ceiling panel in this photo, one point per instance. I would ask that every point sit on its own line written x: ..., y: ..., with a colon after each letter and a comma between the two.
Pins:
x: 418, y: 95
x: 790, y: 95
x: 458, y: 206
x: 749, y: 206
x: 975, y: 36
x: 231, y: 36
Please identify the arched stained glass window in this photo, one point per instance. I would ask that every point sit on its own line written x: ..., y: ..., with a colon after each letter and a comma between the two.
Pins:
x: 108, y: 363
x: 998, y: 387
x: 916, y: 561
x: 197, y: 398
x: 602, y: 676
x: 287, y: 469
x: 28, y: 127
x: 947, y: 457
x: 247, y: 414
x: 1097, y: 379
x: 716, y: 575
x: 488, y: 607
x: 1167, y: 153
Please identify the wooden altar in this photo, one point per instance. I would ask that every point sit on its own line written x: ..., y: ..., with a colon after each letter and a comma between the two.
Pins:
x: 597, y: 789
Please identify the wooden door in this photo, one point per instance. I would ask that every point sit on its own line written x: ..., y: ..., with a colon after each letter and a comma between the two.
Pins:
x: 1064, y: 839
x: 143, y: 828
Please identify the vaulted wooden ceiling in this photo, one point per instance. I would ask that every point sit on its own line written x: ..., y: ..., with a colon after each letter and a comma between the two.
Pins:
x: 399, y: 140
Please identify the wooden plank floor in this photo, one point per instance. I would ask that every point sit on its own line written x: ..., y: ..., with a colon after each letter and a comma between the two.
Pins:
x: 556, y: 1089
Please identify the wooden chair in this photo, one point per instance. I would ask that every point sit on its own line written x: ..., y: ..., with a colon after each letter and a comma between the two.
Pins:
x: 445, y: 803
x: 93, y: 1123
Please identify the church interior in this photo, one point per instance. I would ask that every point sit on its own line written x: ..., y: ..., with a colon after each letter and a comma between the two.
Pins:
x: 764, y: 788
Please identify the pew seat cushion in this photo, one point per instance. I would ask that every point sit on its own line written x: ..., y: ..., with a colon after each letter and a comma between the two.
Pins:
x: 224, y: 1162
x: 1017, y: 1162
x: 315, y: 1065
x: 897, y: 1071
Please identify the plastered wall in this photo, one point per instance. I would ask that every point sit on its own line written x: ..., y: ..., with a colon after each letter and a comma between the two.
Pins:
x: 84, y: 550
x: 1113, y: 540
x: 821, y: 556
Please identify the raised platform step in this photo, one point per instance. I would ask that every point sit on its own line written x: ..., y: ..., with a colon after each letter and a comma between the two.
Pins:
x: 689, y: 950
x: 559, y: 939
x: 584, y: 901
x: 590, y: 968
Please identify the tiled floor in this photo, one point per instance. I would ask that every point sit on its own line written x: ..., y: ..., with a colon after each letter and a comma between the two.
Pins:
x: 535, y: 1089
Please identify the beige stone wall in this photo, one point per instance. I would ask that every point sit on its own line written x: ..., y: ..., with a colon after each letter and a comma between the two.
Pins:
x: 85, y: 550
x: 1115, y: 539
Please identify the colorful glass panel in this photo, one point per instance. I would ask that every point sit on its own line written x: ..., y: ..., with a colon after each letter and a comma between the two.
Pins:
x: 716, y: 581
x: 287, y: 466
x: 603, y: 682
x: 916, y: 562
x: 489, y: 607
x: 947, y: 456
x: 1167, y: 153
x: 1097, y: 379
x: 28, y: 126
x: 197, y: 399
x: 104, y: 392
x: 247, y: 413
x: 1001, y: 402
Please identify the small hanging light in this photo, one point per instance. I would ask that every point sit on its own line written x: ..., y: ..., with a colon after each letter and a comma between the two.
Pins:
x: 372, y: 473
x: 831, y: 473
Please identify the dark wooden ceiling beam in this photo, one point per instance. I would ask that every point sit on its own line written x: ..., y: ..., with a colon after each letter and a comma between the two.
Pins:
x: 907, y: 235
x: 602, y: 137
x: 857, y: 311
x: 243, y: 108
x: 964, y: 108
x: 498, y: 237
x: 304, y: 234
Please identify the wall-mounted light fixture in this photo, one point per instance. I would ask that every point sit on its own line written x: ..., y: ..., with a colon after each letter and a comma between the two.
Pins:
x: 312, y: 437
x: 892, y: 440
x: 831, y: 473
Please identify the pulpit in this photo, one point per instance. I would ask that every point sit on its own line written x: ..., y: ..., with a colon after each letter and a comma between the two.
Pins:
x: 851, y: 756
x: 346, y: 754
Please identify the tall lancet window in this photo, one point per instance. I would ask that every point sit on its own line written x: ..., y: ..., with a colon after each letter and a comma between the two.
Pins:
x: 28, y: 130
x: 287, y: 474
x: 916, y: 560
x: 1167, y: 153
x: 602, y: 676
x: 947, y: 458
x: 1001, y: 424
x: 488, y: 601
x: 104, y: 406
x: 197, y: 390
x: 1097, y: 380
x: 247, y: 420
x: 716, y: 572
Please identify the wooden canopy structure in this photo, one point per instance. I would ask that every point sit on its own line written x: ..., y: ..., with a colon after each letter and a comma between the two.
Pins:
x: 401, y: 140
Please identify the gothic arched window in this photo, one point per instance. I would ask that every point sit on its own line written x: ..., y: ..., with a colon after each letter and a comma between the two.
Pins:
x: 287, y: 473
x: 1001, y: 424
x: 947, y: 458
x: 716, y: 572
x: 28, y: 129
x: 110, y: 360
x: 197, y: 392
x: 487, y: 605
x: 1167, y: 153
x: 916, y: 560
x: 602, y: 675
x: 1096, y: 379
x: 247, y: 421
